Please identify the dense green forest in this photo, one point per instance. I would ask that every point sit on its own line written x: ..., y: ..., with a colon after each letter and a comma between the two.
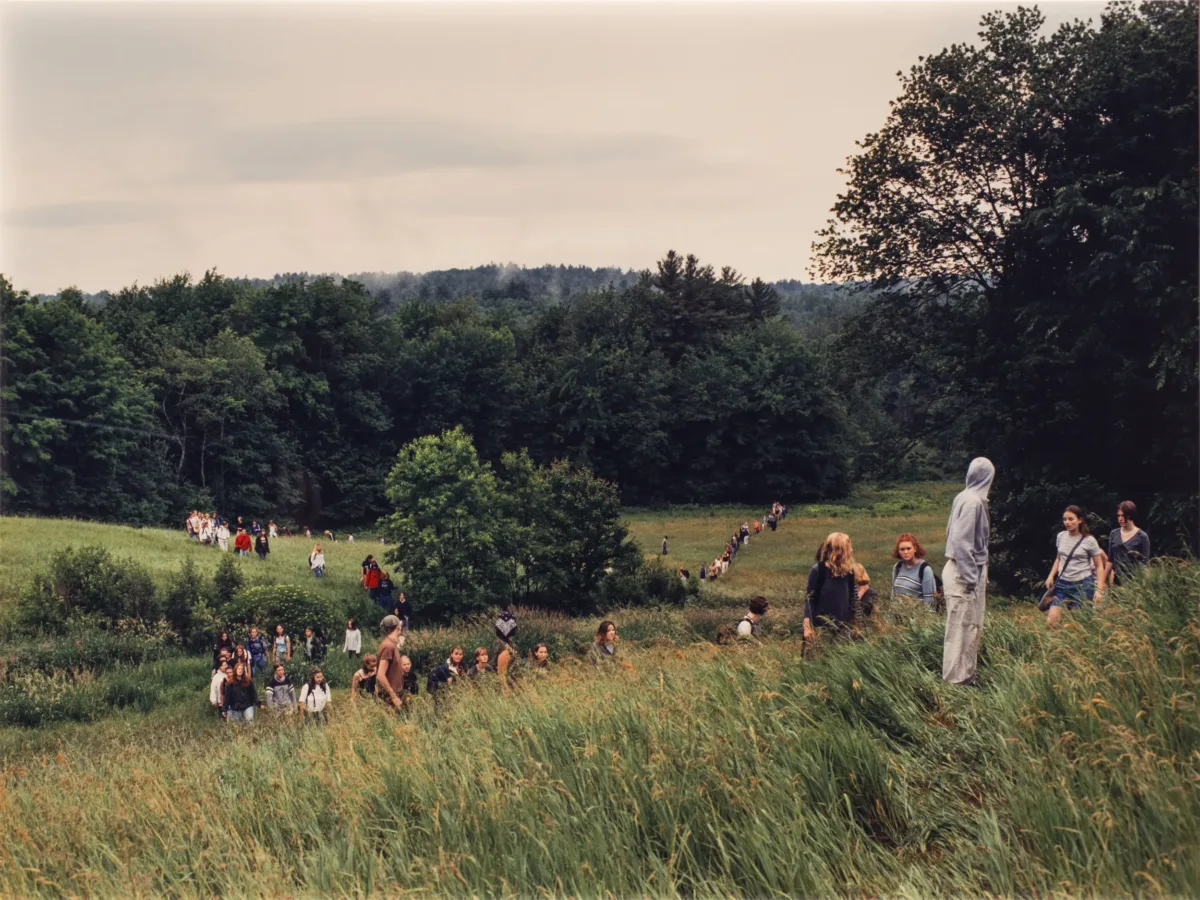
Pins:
x: 1010, y: 272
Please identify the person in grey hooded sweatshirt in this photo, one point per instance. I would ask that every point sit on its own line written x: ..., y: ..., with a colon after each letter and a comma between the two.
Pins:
x: 964, y: 578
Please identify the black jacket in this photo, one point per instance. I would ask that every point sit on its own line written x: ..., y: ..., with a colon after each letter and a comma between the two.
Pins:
x: 831, y: 602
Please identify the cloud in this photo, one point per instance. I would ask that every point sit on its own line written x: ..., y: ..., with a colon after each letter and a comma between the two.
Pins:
x: 352, y: 150
x: 83, y: 214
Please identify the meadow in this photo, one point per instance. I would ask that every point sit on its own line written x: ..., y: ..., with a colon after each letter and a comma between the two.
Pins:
x: 692, y: 770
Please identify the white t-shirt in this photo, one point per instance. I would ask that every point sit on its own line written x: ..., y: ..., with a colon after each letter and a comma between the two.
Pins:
x: 353, y: 641
x: 214, y: 688
x: 317, y: 700
x: 1080, y: 566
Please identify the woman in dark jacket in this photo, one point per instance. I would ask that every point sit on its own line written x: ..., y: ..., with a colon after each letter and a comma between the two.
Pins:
x: 447, y: 672
x: 261, y: 546
x: 831, y: 600
x: 240, y: 695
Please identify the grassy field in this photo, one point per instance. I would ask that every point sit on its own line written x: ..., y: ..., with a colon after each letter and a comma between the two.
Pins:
x: 691, y: 770
x: 695, y: 771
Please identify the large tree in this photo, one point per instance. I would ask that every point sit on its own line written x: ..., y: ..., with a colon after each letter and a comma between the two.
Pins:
x: 1027, y: 219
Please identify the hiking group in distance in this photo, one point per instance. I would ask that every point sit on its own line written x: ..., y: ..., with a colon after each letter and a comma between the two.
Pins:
x: 838, y: 603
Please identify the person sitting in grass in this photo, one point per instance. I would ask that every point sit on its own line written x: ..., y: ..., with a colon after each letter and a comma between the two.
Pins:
x: 866, y: 594
x: 281, y: 695
x: 751, y: 624
x: 481, y: 664
x: 315, y: 696
x: 216, y: 687
x: 363, y: 681
x: 447, y: 673
x: 408, y: 688
x: 539, y: 662
x: 604, y: 646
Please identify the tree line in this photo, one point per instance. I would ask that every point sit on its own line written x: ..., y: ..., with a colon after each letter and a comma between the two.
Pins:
x: 293, y: 397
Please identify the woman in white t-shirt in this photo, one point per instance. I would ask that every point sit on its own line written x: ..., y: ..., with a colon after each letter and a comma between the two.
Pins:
x: 314, y: 697
x: 1079, y: 570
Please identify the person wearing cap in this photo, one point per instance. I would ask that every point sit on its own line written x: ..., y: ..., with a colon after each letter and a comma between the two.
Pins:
x: 390, y: 680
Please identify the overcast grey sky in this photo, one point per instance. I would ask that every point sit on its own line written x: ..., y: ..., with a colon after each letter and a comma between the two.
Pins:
x: 142, y: 140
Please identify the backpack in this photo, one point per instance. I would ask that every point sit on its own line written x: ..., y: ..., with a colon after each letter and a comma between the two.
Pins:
x: 939, y: 596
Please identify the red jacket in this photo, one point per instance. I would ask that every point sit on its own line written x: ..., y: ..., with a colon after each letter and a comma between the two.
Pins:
x: 241, y: 542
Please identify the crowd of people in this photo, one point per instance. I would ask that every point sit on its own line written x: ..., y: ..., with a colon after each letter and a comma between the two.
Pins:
x: 839, y: 601
x: 385, y: 675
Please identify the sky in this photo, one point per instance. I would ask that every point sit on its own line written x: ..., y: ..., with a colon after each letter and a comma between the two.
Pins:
x: 142, y: 140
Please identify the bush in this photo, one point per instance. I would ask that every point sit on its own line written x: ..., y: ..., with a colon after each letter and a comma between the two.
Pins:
x: 269, y: 605
x: 88, y: 582
x: 187, y: 591
x: 650, y: 585
x: 227, y: 580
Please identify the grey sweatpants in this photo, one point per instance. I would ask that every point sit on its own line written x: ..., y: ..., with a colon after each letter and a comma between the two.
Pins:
x: 964, y: 624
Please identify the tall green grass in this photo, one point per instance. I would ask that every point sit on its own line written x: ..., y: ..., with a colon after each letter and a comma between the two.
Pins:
x: 695, y: 771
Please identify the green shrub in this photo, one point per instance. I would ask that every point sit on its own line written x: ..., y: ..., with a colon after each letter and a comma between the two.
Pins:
x: 227, y: 580
x: 652, y: 584
x: 88, y: 582
x: 269, y: 605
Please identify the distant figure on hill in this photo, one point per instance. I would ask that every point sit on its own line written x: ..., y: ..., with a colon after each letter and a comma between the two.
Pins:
x: 703, y: 572
x: 403, y: 611
x: 349, y: 537
x: 384, y: 593
x: 751, y: 624
x: 241, y: 543
x: 370, y: 577
x: 1128, y: 545
x: 772, y: 522
x: 272, y: 530
x: 664, y: 546
x: 262, y: 546
x: 316, y: 561
x: 353, y: 642
x: 964, y: 577
x: 223, y: 537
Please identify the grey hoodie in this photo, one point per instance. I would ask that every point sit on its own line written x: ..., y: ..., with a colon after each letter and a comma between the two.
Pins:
x: 970, y: 524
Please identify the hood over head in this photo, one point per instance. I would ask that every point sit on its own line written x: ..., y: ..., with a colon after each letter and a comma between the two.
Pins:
x: 980, y: 474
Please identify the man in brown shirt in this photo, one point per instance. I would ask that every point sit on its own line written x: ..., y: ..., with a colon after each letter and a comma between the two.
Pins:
x: 391, y: 678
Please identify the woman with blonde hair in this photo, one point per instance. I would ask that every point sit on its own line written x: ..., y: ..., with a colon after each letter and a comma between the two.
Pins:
x: 831, y: 599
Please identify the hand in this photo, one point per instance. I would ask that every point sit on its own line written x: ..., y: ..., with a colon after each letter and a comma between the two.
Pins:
x: 1049, y: 584
x: 397, y: 703
x: 809, y: 634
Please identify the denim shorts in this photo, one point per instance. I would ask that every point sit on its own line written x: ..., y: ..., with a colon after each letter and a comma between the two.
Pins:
x: 1072, y: 594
